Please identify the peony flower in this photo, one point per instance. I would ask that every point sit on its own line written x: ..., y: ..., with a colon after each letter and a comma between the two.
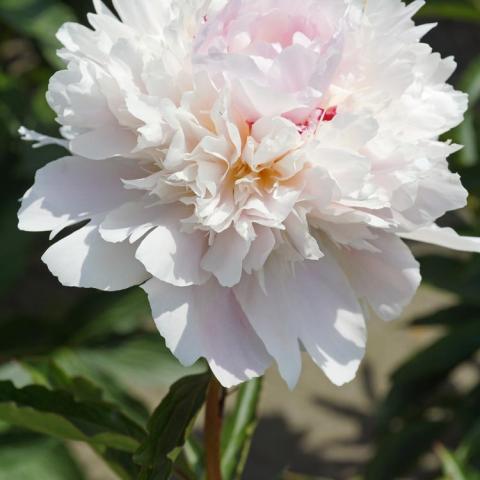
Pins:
x: 255, y: 167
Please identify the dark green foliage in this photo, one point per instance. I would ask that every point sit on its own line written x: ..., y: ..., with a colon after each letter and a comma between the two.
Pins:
x: 169, y: 426
x: 238, y: 430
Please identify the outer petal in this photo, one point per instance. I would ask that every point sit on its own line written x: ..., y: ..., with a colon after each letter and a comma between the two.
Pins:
x: 207, y: 322
x: 84, y: 259
x: 130, y: 221
x: 313, y: 305
x: 387, y: 279
x: 172, y: 255
x: 73, y: 189
x: 104, y: 142
x: 444, y: 237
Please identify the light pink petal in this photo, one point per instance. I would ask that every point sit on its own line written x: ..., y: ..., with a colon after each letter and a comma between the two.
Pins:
x: 298, y: 233
x: 131, y: 220
x: 313, y: 305
x: 104, y: 142
x: 172, y: 255
x: 206, y: 321
x: 444, y: 237
x: 257, y: 101
x: 225, y: 257
x: 387, y: 279
x: 260, y: 249
x: 84, y: 259
x: 73, y: 189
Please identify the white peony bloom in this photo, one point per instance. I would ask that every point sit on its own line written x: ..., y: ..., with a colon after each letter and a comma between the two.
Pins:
x: 254, y: 165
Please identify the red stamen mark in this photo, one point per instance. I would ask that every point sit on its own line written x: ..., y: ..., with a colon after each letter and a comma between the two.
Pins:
x: 330, y: 114
x: 319, y: 115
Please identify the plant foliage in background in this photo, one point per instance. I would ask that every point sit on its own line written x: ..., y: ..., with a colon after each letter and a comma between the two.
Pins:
x: 79, y: 373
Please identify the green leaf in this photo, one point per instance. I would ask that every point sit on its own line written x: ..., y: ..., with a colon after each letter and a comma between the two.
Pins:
x: 47, y: 373
x: 452, y: 317
x: 238, y: 430
x: 169, y: 426
x: 451, y: 466
x: 416, y: 379
x: 58, y: 414
x: 457, y: 275
x: 441, y: 357
x: 194, y: 456
x: 298, y: 476
x: 33, y: 457
x: 466, y: 132
x: 398, y: 452
x: 100, y: 316
x: 462, y: 10
x: 38, y: 19
x: 15, y: 246
x: 140, y: 361
x: 74, y: 363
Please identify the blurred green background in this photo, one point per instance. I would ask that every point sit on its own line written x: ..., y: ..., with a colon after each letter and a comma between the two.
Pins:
x: 414, y: 412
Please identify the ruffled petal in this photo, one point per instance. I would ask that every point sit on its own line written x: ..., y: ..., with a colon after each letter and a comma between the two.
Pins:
x: 73, y: 189
x: 314, y: 305
x: 172, y: 255
x: 84, y: 259
x: 104, y: 142
x: 387, y: 278
x: 444, y: 237
x: 225, y: 257
x: 207, y: 321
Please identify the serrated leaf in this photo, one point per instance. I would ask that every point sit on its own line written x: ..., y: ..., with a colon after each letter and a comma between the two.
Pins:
x: 58, y: 414
x: 169, y: 426
x: 238, y: 430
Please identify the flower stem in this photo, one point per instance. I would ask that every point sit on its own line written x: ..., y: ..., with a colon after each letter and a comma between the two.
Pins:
x: 213, y: 428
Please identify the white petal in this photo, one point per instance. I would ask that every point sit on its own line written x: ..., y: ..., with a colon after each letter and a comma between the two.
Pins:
x: 101, y: 9
x: 313, y: 305
x: 172, y: 255
x: 299, y: 235
x: 104, y: 142
x: 387, y: 279
x: 39, y: 139
x: 84, y: 259
x: 444, y: 237
x: 206, y: 321
x: 225, y: 257
x: 131, y: 220
x: 73, y: 189
x: 260, y: 249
